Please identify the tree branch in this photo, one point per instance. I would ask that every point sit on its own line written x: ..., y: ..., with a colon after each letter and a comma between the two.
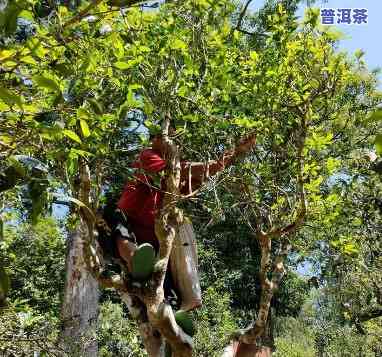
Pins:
x: 85, y: 12
x: 369, y: 314
x: 242, y: 14
x: 268, y: 287
x: 180, y: 342
x: 252, y: 33
x: 301, y: 215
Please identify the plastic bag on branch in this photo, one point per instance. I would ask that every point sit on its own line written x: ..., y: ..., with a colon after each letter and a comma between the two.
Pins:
x: 184, y: 264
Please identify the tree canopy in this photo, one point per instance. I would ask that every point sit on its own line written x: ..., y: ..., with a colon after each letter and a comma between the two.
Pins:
x: 81, y: 85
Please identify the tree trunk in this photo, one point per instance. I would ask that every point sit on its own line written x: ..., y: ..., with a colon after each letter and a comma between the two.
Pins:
x: 80, y: 304
x: 240, y: 349
x: 264, y: 348
x: 1, y: 229
x: 245, y: 350
x: 266, y: 340
x: 152, y: 340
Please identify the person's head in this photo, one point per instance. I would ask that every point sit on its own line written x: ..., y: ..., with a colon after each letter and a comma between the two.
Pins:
x: 156, y: 141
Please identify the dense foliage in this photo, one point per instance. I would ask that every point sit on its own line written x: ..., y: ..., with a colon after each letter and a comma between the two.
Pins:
x: 83, y: 82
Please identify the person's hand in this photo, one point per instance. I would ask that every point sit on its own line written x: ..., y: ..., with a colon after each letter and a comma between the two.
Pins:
x: 247, y: 143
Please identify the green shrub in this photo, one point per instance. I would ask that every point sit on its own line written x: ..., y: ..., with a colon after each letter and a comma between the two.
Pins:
x: 293, y: 338
x: 118, y: 334
x: 215, y: 322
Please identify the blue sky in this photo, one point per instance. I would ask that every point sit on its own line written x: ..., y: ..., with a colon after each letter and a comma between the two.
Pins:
x: 366, y: 37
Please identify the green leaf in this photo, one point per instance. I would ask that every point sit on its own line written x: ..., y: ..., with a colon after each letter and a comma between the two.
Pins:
x: 135, y: 86
x: 334, y: 34
x: 96, y: 106
x: 72, y: 163
x: 254, y: 56
x: 3, y: 107
x: 131, y: 100
x: 378, y: 144
x: 244, y: 122
x: 29, y: 60
x: 85, y: 64
x: 4, y: 54
x: 72, y: 135
x: 153, y: 128
x: 332, y: 165
x: 10, y: 98
x: 192, y: 118
x: 47, y: 83
x: 82, y: 153
x: 126, y: 65
x: 178, y: 44
x: 375, y: 116
x: 6, y: 139
x: 350, y: 249
x: 122, y: 65
x: 84, y: 128
x: 117, y: 43
x: 26, y: 15
x: 34, y: 44
x: 82, y: 113
x: 359, y: 53
x: 182, y: 91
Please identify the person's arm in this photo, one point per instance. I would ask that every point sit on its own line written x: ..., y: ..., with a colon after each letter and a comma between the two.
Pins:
x: 193, y: 174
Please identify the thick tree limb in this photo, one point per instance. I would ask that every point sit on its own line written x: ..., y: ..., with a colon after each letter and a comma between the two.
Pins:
x: 126, y: 289
x: 164, y: 320
x: 160, y: 314
x: 80, y: 303
x: 250, y: 335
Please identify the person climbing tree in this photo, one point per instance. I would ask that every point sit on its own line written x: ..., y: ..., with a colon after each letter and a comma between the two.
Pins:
x: 134, y: 235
